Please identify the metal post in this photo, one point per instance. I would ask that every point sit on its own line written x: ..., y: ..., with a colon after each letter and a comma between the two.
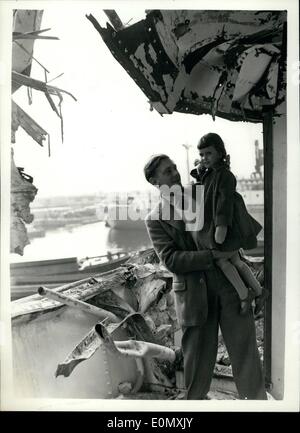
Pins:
x: 268, y: 240
x: 187, y: 148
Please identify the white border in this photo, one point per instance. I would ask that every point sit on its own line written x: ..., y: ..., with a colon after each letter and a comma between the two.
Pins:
x: 291, y: 399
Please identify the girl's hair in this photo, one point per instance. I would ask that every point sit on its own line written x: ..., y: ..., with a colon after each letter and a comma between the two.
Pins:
x: 212, y: 139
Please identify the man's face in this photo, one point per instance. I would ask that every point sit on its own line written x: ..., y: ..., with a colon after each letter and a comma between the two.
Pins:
x: 167, y: 174
x: 210, y: 157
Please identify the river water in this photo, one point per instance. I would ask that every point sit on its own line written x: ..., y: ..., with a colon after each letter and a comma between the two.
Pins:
x: 83, y: 241
x: 90, y: 240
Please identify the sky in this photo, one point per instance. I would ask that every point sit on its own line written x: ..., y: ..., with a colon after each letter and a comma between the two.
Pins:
x: 110, y: 131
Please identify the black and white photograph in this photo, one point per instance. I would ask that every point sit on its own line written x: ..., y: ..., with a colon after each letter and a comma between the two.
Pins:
x: 150, y: 206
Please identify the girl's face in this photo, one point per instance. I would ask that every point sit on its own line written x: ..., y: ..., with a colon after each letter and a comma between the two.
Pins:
x: 210, y: 157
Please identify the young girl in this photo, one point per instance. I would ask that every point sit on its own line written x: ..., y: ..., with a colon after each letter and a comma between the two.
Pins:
x: 227, y: 224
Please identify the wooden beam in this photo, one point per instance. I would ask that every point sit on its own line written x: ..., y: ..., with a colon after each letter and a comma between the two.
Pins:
x: 114, y: 19
x: 23, y: 80
x: 76, y: 303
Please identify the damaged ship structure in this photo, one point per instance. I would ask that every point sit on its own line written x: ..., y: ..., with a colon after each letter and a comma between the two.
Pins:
x: 114, y: 335
x: 27, y: 29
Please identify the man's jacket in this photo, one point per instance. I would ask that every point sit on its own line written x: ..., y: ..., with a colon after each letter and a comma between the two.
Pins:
x: 178, y: 252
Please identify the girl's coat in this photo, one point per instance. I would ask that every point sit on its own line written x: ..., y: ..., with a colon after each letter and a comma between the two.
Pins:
x: 224, y: 206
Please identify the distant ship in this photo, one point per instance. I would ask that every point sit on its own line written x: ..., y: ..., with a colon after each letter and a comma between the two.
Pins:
x: 129, y: 215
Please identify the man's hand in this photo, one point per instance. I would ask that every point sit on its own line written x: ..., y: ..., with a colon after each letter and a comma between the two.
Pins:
x: 221, y: 254
x: 220, y: 234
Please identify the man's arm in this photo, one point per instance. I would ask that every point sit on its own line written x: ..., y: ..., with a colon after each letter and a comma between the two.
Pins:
x: 176, y: 260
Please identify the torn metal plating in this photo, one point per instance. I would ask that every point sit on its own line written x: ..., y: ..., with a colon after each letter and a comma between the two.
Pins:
x: 22, y: 194
x: 21, y: 118
x: 224, y: 63
x: 26, y: 27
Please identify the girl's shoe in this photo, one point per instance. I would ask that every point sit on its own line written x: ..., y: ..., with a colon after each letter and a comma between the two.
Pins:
x: 246, y: 303
x: 260, y: 301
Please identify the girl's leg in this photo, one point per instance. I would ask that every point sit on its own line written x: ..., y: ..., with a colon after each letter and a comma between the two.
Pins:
x: 246, y: 273
x: 233, y: 276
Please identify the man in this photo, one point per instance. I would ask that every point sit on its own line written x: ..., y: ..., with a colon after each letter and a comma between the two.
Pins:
x: 204, y: 299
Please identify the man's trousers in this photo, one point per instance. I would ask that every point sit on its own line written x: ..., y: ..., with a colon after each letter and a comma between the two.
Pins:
x: 200, y: 344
